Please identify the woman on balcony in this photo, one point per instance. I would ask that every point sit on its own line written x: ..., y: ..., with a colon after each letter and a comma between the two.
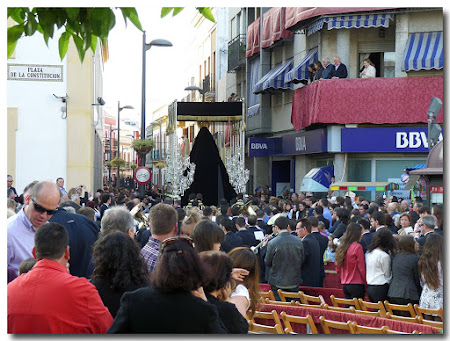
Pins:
x: 319, y: 69
x: 369, y: 70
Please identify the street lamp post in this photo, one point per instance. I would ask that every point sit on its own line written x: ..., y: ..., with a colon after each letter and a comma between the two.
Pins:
x: 146, y: 47
x: 119, y: 109
x: 193, y: 88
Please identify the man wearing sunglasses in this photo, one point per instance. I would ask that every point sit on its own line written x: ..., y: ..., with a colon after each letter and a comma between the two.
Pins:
x: 40, y: 203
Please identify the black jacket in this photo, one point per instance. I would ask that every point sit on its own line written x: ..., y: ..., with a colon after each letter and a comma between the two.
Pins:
x: 323, y: 245
x: 311, y: 271
x: 263, y: 226
x: 230, y: 316
x: 366, y: 239
x: 231, y: 241
x: 247, y: 237
x: 83, y: 233
x: 341, y: 71
x: 149, y: 311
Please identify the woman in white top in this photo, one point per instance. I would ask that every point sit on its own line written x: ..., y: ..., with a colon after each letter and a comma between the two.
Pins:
x: 431, y: 272
x: 246, y: 295
x: 369, y: 70
x: 378, y: 264
x: 405, y: 225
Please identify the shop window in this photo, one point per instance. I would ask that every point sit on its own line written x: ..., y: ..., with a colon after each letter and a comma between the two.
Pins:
x: 360, y: 171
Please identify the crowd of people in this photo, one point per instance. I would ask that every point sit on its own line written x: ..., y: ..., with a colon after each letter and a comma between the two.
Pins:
x: 114, y: 262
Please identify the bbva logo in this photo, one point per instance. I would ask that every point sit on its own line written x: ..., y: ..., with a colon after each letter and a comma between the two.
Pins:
x: 255, y: 145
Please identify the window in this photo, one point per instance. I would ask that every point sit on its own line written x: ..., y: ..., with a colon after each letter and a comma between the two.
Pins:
x: 233, y: 28
x: 384, y: 63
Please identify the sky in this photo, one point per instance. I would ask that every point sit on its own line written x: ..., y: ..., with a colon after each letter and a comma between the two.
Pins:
x: 166, y: 77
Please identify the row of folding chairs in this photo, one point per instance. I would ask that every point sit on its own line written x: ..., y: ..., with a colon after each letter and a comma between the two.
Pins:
x: 357, y: 306
x: 351, y: 326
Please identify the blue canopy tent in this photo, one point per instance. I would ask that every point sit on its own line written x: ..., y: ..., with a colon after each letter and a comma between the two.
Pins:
x: 317, y: 179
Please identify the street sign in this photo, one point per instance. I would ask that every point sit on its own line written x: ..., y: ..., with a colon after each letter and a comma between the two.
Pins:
x: 142, y: 175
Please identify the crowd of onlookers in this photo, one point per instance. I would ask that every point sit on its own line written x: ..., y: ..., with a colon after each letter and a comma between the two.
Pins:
x: 114, y: 262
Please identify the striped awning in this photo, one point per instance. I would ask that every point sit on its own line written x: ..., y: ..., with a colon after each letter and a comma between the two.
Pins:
x: 424, y: 51
x: 300, y: 72
x: 351, y: 21
x: 275, y: 78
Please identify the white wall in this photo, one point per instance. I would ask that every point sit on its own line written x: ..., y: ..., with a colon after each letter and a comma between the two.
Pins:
x: 41, y: 135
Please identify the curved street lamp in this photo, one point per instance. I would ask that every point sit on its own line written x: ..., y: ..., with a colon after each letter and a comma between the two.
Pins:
x: 196, y: 88
x: 119, y: 109
x: 146, y: 47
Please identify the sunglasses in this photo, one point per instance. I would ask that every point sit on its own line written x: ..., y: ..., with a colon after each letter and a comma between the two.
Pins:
x: 171, y: 240
x: 40, y: 209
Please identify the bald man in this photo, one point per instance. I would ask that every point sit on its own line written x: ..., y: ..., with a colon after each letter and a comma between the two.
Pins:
x: 339, y: 69
x: 40, y: 203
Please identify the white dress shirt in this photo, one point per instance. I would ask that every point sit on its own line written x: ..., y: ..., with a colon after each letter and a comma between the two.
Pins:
x: 378, y: 267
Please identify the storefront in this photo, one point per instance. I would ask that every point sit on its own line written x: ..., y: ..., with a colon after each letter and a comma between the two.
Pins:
x: 383, y: 154
x: 282, y: 152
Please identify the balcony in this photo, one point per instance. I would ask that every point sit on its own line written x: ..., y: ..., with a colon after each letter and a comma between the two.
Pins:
x: 397, y: 100
x: 236, y: 53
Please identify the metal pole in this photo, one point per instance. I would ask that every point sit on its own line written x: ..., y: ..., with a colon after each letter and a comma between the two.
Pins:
x: 118, y: 143
x: 160, y: 154
x: 142, y: 163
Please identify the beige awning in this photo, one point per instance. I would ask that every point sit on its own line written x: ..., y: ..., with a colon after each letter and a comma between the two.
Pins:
x: 411, y: 182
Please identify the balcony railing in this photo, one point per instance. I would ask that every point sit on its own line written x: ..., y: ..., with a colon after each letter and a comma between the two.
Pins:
x: 236, y: 52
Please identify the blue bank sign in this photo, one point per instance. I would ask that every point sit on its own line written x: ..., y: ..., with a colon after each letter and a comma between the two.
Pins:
x: 308, y: 142
x: 385, y: 140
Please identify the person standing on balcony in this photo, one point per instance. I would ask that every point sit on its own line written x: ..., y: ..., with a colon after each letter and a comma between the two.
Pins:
x: 311, y: 73
x: 319, y: 70
x: 327, y: 66
x: 339, y: 70
x: 369, y: 70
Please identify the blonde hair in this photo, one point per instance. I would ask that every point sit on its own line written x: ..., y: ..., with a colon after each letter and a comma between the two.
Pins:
x: 189, y: 222
x: 369, y: 61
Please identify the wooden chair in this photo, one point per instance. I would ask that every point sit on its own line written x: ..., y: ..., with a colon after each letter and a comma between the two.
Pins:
x: 327, y: 324
x: 403, y: 318
x: 357, y: 329
x: 368, y: 313
x: 314, y: 306
x: 347, y: 301
x: 399, y: 307
x: 267, y: 301
x: 420, y: 311
x: 341, y: 309
x: 365, y: 305
x: 267, y: 294
x: 308, y: 299
x: 307, y: 320
x: 389, y: 331
x: 257, y: 327
x: 436, y: 324
x: 289, y: 294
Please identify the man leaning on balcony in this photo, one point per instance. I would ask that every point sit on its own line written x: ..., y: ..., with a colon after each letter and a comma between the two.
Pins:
x: 339, y: 70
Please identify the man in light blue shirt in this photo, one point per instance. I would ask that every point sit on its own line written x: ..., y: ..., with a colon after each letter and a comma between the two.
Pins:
x: 40, y: 203
x: 60, y: 182
x: 326, y: 211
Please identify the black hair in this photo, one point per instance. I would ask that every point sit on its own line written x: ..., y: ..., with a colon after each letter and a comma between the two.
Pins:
x: 384, y: 240
x: 205, y: 234
x: 240, y: 221
x: 50, y: 241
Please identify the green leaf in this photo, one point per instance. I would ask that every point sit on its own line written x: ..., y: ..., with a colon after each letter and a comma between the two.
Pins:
x: 206, y: 12
x: 31, y: 25
x: 94, y: 40
x: 102, y: 21
x: 165, y: 11
x: 14, y: 33
x: 46, y: 23
x: 177, y: 10
x: 63, y: 44
x: 17, y: 14
x: 72, y: 13
x: 131, y: 14
x: 79, y: 44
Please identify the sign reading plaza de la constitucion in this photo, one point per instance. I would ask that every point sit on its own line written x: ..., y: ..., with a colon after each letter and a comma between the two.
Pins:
x: 35, y: 72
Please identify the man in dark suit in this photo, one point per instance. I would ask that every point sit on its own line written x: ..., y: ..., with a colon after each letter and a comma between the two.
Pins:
x: 247, y: 236
x: 339, y: 69
x: 318, y: 213
x: 106, y: 201
x: 311, y: 271
x: 254, y: 228
x: 83, y: 233
x: 323, y: 244
x: 366, y: 237
x: 260, y: 220
x: 231, y: 239
x: 427, y: 226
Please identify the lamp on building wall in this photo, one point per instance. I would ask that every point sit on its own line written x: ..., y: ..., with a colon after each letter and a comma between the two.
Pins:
x: 434, y: 129
x: 119, y: 109
x: 146, y: 47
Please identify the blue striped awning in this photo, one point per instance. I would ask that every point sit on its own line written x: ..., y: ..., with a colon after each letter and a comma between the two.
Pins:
x: 424, y: 51
x: 275, y: 78
x: 352, y: 21
x: 300, y: 72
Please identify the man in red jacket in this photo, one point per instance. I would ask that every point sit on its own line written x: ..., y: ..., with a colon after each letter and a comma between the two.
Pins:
x: 48, y: 299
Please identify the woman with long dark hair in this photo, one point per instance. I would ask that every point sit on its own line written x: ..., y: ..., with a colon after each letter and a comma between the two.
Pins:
x: 378, y: 264
x: 350, y: 263
x: 246, y: 295
x: 118, y: 267
x: 175, y: 302
x: 405, y: 286
x: 218, y: 290
x: 431, y: 269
